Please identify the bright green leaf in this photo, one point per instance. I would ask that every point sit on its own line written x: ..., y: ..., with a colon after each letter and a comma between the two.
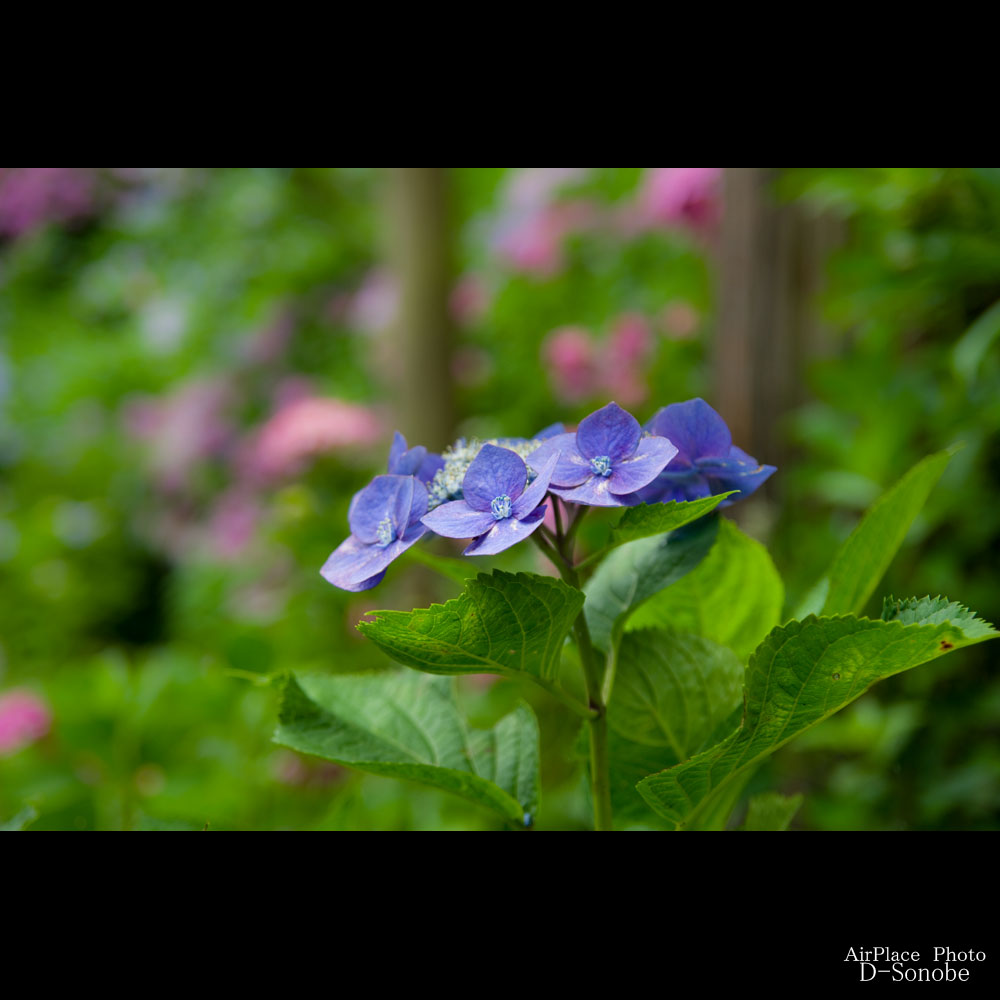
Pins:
x: 771, y: 811
x: 801, y: 674
x: 734, y: 597
x: 501, y: 624
x: 672, y: 693
x: 659, y: 518
x: 407, y: 726
x: 630, y: 575
x: 673, y: 689
x: 862, y: 560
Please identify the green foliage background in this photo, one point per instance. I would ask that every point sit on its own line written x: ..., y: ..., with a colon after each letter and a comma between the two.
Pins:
x: 156, y: 653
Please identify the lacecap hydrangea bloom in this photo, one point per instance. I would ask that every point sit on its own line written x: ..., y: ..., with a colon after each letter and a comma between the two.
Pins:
x: 494, y: 491
x: 385, y: 521
x: 706, y: 463
x: 498, y: 508
x: 418, y: 461
x: 606, y: 461
x: 447, y: 482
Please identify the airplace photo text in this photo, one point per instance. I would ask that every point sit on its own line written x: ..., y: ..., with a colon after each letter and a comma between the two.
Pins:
x: 940, y: 964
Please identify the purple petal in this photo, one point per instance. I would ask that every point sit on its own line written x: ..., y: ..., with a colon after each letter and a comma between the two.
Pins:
x: 385, y: 497
x: 372, y: 581
x: 609, y: 431
x: 505, y: 533
x: 571, y: 469
x: 695, y: 428
x: 494, y: 472
x: 429, y: 467
x: 353, y: 564
x: 535, y: 493
x: 649, y: 460
x: 414, y: 461
x: 681, y: 484
x: 396, y: 451
x: 418, y: 506
x: 595, y: 492
x: 737, y: 472
x: 458, y: 520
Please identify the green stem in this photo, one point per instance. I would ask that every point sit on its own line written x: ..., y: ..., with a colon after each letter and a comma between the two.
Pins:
x: 600, y: 778
x: 567, y: 699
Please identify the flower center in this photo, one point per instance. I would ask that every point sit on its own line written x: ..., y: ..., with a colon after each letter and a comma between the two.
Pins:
x: 601, y: 465
x: 386, y: 533
x: 500, y: 507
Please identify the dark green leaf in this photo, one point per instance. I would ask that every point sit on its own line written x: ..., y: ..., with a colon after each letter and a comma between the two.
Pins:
x: 631, y: 575
x: 862, y: 560
x: 733, y: 597
x: 801, y: 674
x: 408, y: 726
x: 501, y: 624
x: 671, y: 693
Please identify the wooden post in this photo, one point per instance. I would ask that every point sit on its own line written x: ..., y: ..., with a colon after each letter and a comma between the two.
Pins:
x: 419, y: 251
x: 772, y: 262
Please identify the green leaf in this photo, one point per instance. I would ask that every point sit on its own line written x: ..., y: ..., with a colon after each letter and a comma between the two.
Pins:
x: 733, y: 597
x: 501, y: 624
x: 976, y: 342
x: 862, y: 560
x: 673, y: 689
x: 659, y: 518
x: 801, y: 674
x: 771, y: 811
x: 20, y: 821
x: 671, y: 694
x: 408, y: 726
x: 630, y: 575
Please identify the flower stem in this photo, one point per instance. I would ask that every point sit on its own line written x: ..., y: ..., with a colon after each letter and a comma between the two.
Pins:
x: 600, y: 781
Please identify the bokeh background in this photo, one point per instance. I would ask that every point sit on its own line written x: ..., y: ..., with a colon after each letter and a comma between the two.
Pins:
x: 198, y: 367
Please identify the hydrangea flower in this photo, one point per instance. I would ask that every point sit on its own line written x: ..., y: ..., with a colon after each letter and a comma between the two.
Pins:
x: 498, y: 508
x: 707, y: 461
x: 447, y: 482
x: 385, y: 521
x: 404, y: 461
x: 606, y: 460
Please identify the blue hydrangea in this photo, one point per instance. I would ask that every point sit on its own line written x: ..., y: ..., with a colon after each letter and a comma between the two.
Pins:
x: 707, y: 462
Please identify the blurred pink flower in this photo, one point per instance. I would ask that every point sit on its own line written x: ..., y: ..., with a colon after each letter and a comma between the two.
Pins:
x: 306, y: 428
x: 233, y: 522
x: 183, y: 428
x: 24, y: 718
x: 627, y: 351
x: 32, y: 196
x: 470, y: 298
x: 681, y: 196
x: 532, y: 241
x: 583, y: 367
x: 570, y: 356
x: 534, y: 187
